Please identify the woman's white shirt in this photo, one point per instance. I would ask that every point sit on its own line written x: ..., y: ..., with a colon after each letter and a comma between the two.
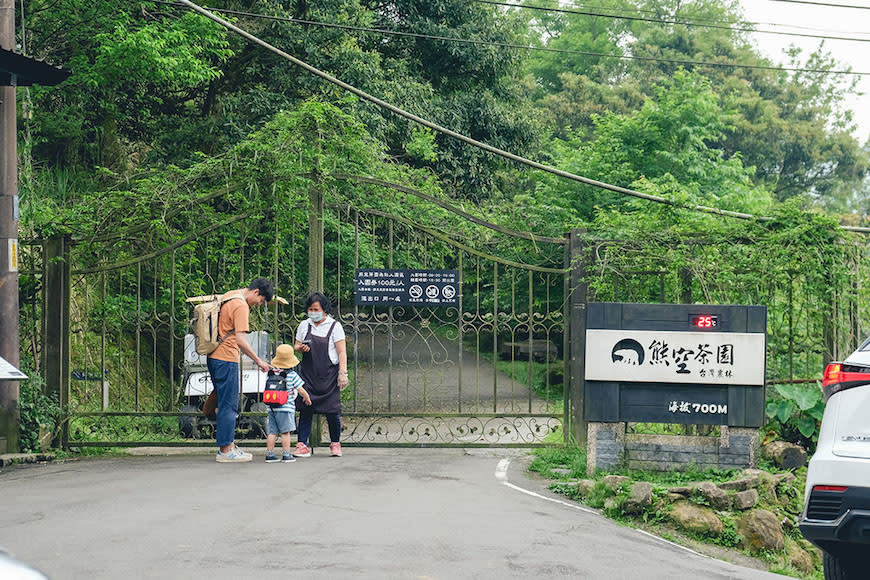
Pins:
x: 322, y: 330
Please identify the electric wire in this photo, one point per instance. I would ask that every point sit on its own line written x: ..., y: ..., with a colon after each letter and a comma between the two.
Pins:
x: 698, y: 18
x: 443, y: 130
x: 677, y: 61
x: 828, y: 4
x: 480, y: 145
x: 662, y: 21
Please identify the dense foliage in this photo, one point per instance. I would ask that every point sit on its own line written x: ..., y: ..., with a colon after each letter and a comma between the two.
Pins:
x: 170, y: 127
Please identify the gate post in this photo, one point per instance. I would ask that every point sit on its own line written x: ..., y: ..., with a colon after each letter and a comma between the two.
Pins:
x: 315, y: 238
x: 55, y: 326
x: 685, y: 286
x: 315, y: 269
x: 576, y: 332
x: 10, y: 349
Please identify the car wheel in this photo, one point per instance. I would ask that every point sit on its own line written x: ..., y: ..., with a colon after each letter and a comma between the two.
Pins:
x: 842, y: 567
x: 187, y: 423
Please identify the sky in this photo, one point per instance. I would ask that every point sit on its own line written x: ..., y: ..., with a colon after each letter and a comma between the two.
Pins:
x: 825, y: 20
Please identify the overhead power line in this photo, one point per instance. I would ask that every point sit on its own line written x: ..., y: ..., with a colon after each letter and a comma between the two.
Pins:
x: 699, y: 18
x: 465, y: 139
x: 828, y: 4
x: 443, y: 130
x: 677, y: 61
x: 663, y: 21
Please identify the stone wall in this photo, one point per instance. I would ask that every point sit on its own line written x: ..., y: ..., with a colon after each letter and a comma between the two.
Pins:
x: 609, y: 447
x: 605, y: 448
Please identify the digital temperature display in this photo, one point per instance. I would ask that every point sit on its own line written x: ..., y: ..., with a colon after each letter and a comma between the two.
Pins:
x: 704, y: 321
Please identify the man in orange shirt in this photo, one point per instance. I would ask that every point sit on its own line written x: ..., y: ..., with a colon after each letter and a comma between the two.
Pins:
x: 223, y: 363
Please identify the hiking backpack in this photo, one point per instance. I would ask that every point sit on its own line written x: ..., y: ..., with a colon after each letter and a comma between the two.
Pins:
x: 205, y: 324
x: 276, y: 393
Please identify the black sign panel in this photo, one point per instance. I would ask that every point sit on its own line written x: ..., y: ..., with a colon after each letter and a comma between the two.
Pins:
x: 382, y: 287
x: 643, y: 397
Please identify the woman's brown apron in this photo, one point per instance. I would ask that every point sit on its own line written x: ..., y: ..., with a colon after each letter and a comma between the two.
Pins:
x: 320, y: 374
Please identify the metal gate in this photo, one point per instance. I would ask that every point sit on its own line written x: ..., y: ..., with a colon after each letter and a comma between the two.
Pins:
x: 490, y: 372
x: 105, y: 321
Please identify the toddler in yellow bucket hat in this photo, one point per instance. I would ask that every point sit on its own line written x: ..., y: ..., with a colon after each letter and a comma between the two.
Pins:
x: 282, y: 418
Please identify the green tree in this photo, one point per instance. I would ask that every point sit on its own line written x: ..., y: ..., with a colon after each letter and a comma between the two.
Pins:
x: 131, y: 62
x: 155, y: 83
x: 665, y: 148
x: 789, y: 126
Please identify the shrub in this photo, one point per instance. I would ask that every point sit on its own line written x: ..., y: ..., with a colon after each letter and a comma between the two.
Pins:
x: 36, y: 410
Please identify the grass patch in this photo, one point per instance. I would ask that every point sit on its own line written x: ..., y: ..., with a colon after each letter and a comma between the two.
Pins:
x: 543, y: 375
x: 570, y: 458
x: 109, y: 428
x: 555, y: 437
x: 98, y: 452
x: 676, y: 478
x: 565, y: 467
x: 673, y: 429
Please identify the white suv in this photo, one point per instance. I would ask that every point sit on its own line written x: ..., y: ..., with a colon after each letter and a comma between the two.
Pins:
x: 836, y: 515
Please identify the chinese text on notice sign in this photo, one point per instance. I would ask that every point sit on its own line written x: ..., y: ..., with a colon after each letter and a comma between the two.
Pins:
x: 388, y: 287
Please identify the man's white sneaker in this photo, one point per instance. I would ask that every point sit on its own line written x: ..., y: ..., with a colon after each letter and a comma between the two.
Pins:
x: 236, y: 455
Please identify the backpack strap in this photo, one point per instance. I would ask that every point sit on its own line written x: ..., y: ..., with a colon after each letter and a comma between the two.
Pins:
x: 224, y: 301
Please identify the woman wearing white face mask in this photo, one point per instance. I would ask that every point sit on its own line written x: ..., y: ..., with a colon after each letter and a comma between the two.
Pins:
x: 324, y: 368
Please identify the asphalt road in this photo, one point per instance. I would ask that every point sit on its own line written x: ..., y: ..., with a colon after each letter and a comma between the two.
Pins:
x: 428, y: 374
x: 374, y: 513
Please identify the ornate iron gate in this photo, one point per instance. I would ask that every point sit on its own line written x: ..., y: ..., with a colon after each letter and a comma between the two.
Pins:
x: 489, y: 372
x: 106, y: 328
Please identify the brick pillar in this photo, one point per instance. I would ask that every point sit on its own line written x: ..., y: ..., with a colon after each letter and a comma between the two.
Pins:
x: 605, y: 446
x: 738, y: 447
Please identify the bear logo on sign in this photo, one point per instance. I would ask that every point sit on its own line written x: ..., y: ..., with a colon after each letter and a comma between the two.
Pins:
x: 628, y: 352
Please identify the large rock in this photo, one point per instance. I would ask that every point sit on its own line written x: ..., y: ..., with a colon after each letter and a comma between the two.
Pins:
x: 681, y: 489
x: 746, y: 499
x: 639, y: 497
x: 614, y: 482
x: 717, y: 497
x: 786, y: 478
x: 784, y: 454
x: 741, y: 484
x: 812, y: 550
x: 694, y: 518
x: 799, y: 558
x: 641, y: 492
x: 584, y: 487
x: 761, y: 531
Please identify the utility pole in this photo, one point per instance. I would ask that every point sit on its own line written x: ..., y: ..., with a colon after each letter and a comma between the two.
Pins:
x: 9, y: 348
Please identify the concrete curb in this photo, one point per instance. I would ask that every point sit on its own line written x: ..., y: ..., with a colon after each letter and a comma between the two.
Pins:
x: 7, y: 459
x: 157, y: 451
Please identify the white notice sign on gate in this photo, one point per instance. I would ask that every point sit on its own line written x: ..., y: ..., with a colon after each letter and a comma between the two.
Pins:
x: 716, y: 358
x: 9, y: 372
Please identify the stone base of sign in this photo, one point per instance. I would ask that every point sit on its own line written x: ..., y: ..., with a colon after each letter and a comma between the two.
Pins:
x: 609, y: 447
x: 605, y: 446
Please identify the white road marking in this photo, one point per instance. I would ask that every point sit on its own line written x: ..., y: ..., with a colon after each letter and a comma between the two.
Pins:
x: 501, y: 475
x: 550, y: 499
x: 501, y: 469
